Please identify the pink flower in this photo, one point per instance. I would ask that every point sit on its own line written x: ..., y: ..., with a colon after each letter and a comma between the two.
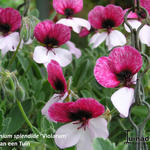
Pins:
x: 84, y: 123
x: 10, y: 24
x: 144, y: 34
x: 145, y: 4
x: 69, y: 8
x: 119, y: 68
x: 58, y: 82
x: 84, y: 32
x: 107, y: 18
x: 51, y: 36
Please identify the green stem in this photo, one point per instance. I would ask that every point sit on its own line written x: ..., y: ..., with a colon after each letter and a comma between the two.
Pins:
x: 24, y: 114
x: 12, y: 59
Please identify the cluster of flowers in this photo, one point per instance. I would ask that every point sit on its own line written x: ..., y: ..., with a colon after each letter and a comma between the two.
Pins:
x: 85, y: 117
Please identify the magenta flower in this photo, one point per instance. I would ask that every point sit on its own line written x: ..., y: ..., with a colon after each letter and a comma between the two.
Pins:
x: 107, y: 18
x: 69, y: 8
x: 119, y: 68
x: 144, y: 34
x: 58, y: 82
x: 145, y: 4
x: 84, y: 123
x: 52, y: 36
x: 10, y: 24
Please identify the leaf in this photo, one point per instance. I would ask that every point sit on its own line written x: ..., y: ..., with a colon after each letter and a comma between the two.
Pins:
x: 102, y: 144
x: 1, y: 119
x: 17, y: 119
x: 122, y: 146
x: 86, y: 93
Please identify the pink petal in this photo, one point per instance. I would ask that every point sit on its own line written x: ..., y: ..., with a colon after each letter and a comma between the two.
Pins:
x: 88, y: 105
x: 56, y: 77
x: 70, y: 134
x: 103, y: 73
x: 122, y: 100
x: 84, y: 32
x: 131, y: 14
x: 55, y: 98
x: 95, y: 17
x: 60, y: 112
x: 98, y: 128
x: 42, y: 30
x: 145, y: 4
x: 11, y: 17
x: 126, y: 58
x: 61, y: 5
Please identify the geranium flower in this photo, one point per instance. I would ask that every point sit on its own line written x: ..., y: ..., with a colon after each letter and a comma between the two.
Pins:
x: 10, y: 24
x: 68, y: 8
x: 52, y: 36
x: 135, y: 22
x: 120, y: 68
x: 106, y: 19
x: 84, y: 123
x: 58, y: 82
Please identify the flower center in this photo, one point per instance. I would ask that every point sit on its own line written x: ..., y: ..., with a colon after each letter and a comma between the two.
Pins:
x: 80, y: 116
x: 68, y: 12
x: 50, y: 42
x: 108, y: 24
x: 125, y: 77
x: 59, y: 85
x: 4, y: 28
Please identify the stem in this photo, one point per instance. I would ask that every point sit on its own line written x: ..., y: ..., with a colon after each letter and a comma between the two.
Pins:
x: 27, y: 4
x: 24, y: 114
x: 13, y: 58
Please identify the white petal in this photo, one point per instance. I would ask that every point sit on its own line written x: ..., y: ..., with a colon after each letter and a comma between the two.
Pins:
x: 134, y: 24
x: 71, y: 23
x: 55, y: 98
x: 144, y: 35
x: 71, y: 133
x: 97, y: 39
x: 98, y: 127
x: 9, y: 43
x: 115, y: 38
x: 73, y: 49
x: 82, y: 22
x: 41, y: 55
x: 134, y: 78
x: 122, y: 100
x: 62, y: 56
x: 85, y: 142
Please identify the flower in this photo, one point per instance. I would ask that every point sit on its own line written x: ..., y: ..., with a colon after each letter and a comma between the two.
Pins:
x: 69, y: 8
x: 58, y: 82
x: 135, y: 22
x: 84, y: 123
x: 10, y: 24
x: 52, y: 36
x: 145, y: 4
x: 120, y: 68
x: 107, y: 18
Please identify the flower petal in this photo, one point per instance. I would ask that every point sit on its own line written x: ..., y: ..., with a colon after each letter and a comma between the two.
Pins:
x: 55, y: 98
x: 115, y: 38
x: 82, y: 23
x: 98, y: 128
x: 71, y: 133
x: 56, y: 77
x: 97, y: 39
x: 73, y: 49
x: 85, y: 142
x: 9, y: 43
x: 134, y: 24
x: 125, y: 58
x: 144, y: 35
x: 122, y: 100
x: 71, y: 23
x: 41, y: 54
x: 62, y: 56
x: 103, y: 73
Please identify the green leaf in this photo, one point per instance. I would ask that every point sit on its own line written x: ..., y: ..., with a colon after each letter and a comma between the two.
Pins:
x: 17, y: 119
x: 101, y: 144
x: 1, y: 119
x: 122, y: 146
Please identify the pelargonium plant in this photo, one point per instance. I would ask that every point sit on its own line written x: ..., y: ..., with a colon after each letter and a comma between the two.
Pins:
x: 68, y: 83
